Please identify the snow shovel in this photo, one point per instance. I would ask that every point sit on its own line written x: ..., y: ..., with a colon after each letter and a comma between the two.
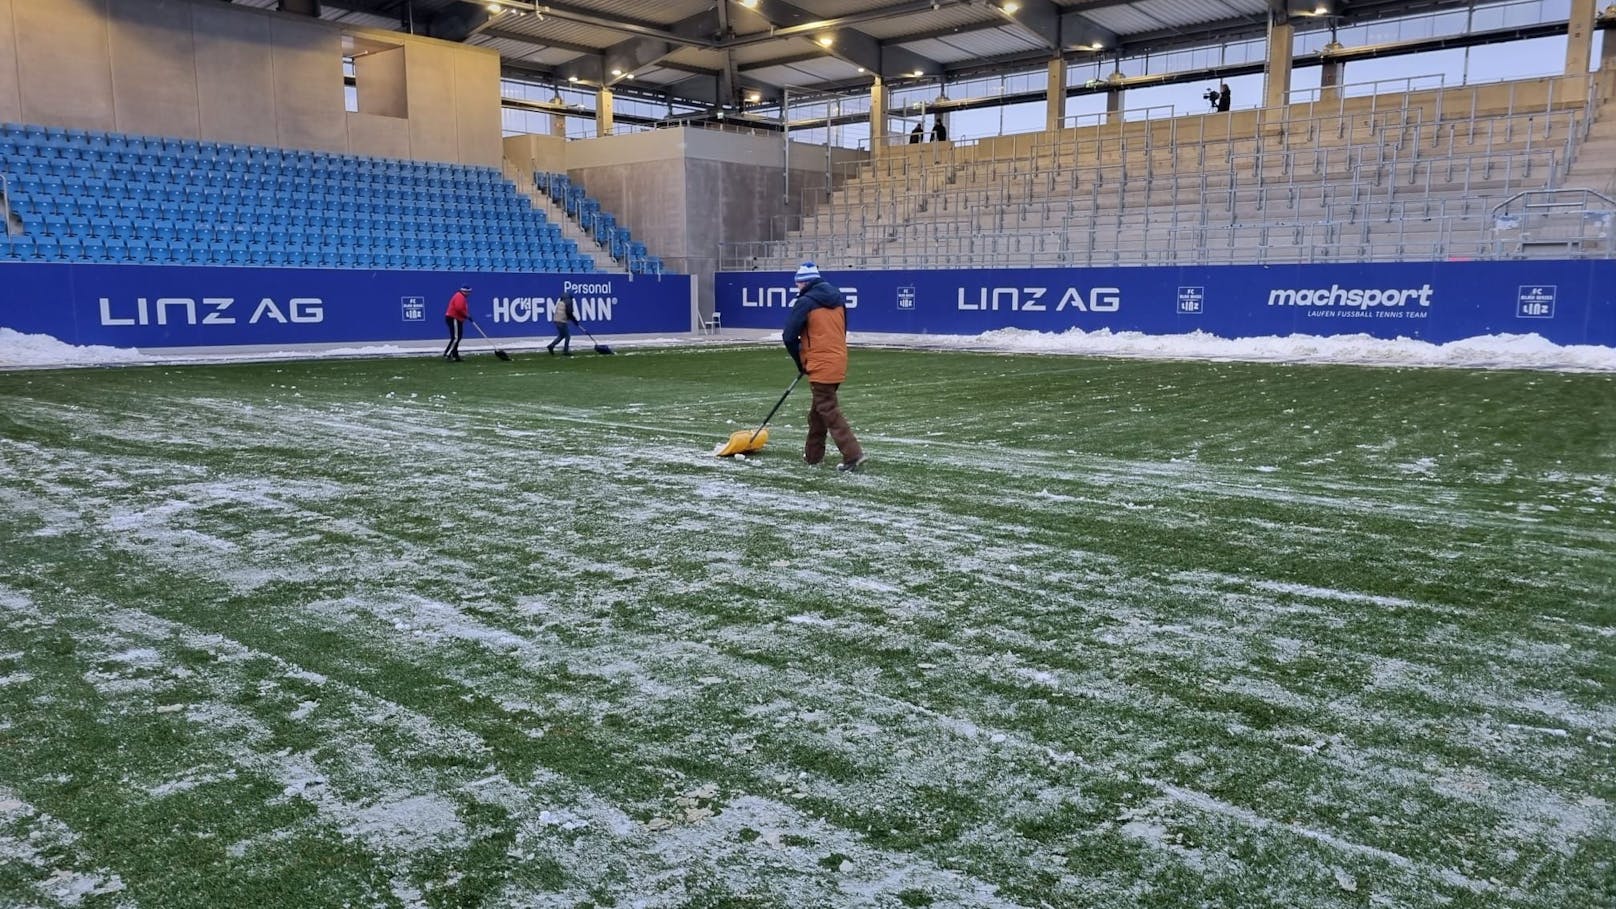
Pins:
x: 600, y: 348
x: 497, y: 352
x: 742, y: 441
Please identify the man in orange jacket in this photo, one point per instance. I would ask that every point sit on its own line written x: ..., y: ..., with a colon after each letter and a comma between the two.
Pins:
x: 816, y: 337
x: 455, y: 318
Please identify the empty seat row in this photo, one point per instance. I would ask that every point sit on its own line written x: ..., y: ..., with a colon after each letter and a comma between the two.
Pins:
x: 29, y: 249
x: 83, y: 196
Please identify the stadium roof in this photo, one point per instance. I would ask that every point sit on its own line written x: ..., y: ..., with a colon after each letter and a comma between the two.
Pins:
x: 710, y: 51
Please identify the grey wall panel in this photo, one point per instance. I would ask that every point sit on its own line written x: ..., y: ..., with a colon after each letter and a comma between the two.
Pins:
x: 751, y: 196
x: 648, y: 198
x: 379, y: 83
x: 64, y: 73
x: 381, y: 137
x: 309, y: 108
x: 476, y: 83
x: 434, y: 135
x: 704, y: 204
x: 153, y: 67
x: 10, y: 96
x: 235, y: 75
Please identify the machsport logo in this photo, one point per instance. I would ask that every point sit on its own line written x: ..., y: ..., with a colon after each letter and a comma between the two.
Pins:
x: 1360, y: 298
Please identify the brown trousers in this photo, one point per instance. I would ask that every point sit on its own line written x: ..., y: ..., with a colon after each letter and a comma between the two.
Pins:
x: 825, y: 416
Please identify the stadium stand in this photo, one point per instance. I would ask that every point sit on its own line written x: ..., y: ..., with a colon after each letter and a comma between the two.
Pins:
x: 1422, y: 175
x: 84, y: 196
x: 602, y: 225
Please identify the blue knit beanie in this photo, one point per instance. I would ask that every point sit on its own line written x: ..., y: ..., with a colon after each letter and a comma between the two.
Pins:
x: 808, y: 271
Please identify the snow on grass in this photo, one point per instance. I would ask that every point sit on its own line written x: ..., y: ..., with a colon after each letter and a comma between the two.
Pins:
x: 533, y: 657
x: 36, y: 846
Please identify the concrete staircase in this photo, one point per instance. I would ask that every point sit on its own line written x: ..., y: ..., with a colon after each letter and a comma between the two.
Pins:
x: 569, y: 228
x: 1594, y: 164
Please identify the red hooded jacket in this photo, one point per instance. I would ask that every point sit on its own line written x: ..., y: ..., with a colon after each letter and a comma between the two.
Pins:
x: 458, y: 308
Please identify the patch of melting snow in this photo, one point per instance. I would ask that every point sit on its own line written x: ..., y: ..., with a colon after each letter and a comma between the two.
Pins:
x: 1423, y: 467
x: 37, y: 845
x: 811, y: 619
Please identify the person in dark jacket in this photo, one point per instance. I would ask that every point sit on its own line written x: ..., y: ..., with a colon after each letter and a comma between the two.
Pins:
x: 918, y: 133
x: 816, y: 337
x: 455, y: 318
x: 1223, y: 98
x: 939, y: 132
x: 563, y: 316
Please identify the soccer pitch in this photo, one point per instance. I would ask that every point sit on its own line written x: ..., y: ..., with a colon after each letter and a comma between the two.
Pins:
x: 1084, y: 633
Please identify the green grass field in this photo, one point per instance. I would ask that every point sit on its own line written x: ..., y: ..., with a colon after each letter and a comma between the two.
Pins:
x: 1084, y: 633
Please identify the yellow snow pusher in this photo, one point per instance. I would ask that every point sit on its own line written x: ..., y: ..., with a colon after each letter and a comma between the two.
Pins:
x: 745, y: 441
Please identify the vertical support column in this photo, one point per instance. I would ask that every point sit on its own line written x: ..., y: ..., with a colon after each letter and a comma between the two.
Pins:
x: 1113, y: 97
x: 1579, y: 48
x: 1277, y: 74
x: 603, y: 112
x: 1055, y: 97
x: 1607, y: 65
x: 878, y: 117
x: 1331, y: 72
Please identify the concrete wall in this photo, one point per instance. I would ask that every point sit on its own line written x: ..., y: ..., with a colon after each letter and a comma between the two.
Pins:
x: 155, y: 39
x: 530, y: 153
x: 10, y: 97
x: 683, y: 192
x: 209, y: 70
x: 240, y: 108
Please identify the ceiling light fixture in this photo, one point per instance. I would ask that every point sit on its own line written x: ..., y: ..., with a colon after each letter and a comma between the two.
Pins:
x: 1011, y: 6
x: 617, y: 72
x: 826, y: 40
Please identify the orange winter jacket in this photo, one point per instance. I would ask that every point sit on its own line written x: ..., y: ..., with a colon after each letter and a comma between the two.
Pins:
x: 816, y: 333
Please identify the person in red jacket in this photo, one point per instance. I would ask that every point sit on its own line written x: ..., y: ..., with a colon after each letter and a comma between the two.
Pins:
x: 816, y: 337
x: 455, y: 318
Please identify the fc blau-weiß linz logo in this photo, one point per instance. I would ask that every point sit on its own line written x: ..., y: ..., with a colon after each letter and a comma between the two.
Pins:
x: 1191, y: 300
x: 414, y: 308
x: 906, y: 298
x: 1536, y: 301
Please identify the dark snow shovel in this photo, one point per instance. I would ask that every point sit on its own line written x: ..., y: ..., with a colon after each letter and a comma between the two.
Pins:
x: 497, y: 352
x: 600, y: 348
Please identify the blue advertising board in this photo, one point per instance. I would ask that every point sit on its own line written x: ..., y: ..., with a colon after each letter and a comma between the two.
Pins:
x: 193, y: 306
x: 1565, y: 301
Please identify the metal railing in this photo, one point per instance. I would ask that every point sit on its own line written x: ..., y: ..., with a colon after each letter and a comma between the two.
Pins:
x: 1559, y: 222
x: 5, y: 206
